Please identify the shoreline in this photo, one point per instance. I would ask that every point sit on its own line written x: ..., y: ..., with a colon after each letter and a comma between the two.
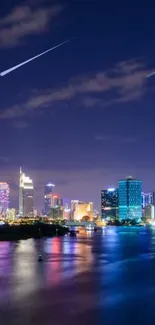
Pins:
x: 36, y: 231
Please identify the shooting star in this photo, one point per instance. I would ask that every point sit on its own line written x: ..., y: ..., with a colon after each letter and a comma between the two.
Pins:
x: 35, y: 57
x: 150, y: 74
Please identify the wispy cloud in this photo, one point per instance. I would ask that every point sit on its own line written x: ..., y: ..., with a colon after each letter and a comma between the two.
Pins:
x: 90, y: 101
x: 125, y: 82
x: 24, y: 21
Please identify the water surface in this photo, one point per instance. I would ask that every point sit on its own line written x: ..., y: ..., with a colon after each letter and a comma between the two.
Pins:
x: 106, y: 278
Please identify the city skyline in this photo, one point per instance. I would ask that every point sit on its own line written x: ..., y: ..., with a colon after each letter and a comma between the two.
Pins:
x: 83, y: 115
x: 39, y: 187
x: 126, y: 201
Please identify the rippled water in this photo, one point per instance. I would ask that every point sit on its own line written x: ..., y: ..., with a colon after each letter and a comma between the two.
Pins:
x: 97, y: 278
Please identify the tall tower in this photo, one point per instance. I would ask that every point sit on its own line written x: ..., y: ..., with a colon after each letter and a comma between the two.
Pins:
x: 26, y: 202
x: 147, y: 199
x: 109, y: 203
x: 48, y: 197
x: 21, y: 193
x: 130, y: 199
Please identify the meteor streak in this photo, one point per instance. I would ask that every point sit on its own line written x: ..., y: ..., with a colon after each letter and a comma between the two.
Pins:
x: 150, y: 74
x: 35, y: 57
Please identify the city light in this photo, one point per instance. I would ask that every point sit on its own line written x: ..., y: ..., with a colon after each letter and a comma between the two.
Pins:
x: 26, y: 204
x: 127, y: 202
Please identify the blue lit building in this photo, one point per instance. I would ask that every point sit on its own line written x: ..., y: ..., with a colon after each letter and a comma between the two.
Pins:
x: 130, y: 199
x: 109, y: 203
x: 48, y: 198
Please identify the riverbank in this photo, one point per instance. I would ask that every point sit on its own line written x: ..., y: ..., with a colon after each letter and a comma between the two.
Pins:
x: 38, y: 230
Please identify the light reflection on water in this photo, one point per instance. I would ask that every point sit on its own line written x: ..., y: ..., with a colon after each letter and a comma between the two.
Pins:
x: 66, y: 257
x: 94, y: 270
x: 63, y: 258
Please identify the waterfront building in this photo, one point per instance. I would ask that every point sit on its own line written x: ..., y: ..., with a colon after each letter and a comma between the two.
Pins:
x: 48, y: 197
x: 26, y: 200
x: 83, y: 209
x: 4, y: 197
x: 109, y: 203
x: 130, y: 199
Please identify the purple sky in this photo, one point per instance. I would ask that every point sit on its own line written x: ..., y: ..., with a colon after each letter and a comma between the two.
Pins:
x: 83, y: 115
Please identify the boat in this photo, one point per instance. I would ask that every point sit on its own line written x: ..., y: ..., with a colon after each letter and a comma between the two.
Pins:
x: 40, y: 258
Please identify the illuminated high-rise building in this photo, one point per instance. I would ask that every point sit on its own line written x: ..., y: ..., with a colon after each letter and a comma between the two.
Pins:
x: 56, y: 211
x: 148, y: 199
x: 26, y: 189
x: 4, y: 197
x: 109, y: 203
x: 48, y: 197
x: 66, y: 203
x: 74, y: 204
x: 130, y: 199
x: 56, y: 201
x: 67, y: 214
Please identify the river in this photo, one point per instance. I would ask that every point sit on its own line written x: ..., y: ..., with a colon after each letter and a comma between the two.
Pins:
x: 106, y: 277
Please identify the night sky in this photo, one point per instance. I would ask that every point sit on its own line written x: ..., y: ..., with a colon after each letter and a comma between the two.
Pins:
x: 82, y: 116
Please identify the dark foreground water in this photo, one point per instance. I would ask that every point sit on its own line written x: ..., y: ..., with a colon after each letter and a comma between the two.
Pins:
x: 102, y: 278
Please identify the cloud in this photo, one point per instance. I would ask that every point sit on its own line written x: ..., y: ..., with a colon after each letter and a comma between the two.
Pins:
x: 125, y: 82
x: 104, y: 137
x: 24, y: 21
x: 91, y: 102
x: 14, y: 111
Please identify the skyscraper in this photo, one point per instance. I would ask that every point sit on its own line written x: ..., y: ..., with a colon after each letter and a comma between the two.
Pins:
x: 130, y: 199
x: 26, y: 189
x: 148, y: 198
x: 56, y: 201
x: 48, y: 197
x: 4, y: 196
x: 109, y: 203
x: 74, y: 204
